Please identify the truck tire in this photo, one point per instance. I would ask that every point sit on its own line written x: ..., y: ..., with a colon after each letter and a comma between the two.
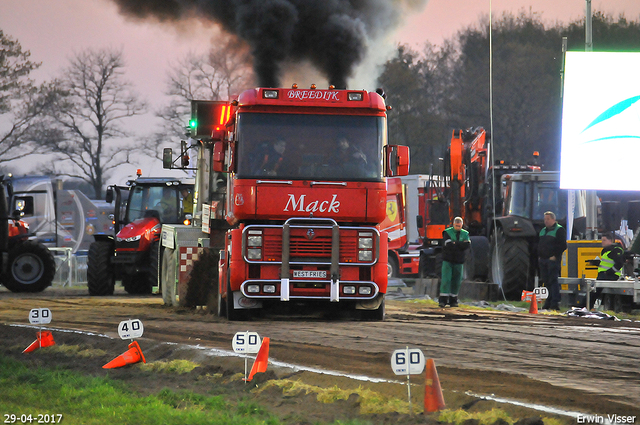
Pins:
x: 100, y: 272
x: 376, y: 315
x: 31, y: 267
x: 233, y: 313
x: 168, y: 277
x: 510, y: 263
x: 222, y: 305
x: 476, y: 263
x: 392, y: 266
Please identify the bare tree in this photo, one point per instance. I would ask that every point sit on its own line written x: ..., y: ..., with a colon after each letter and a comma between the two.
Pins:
x: 21, y: 102
x: 92, y: 99
x: 217, y: 75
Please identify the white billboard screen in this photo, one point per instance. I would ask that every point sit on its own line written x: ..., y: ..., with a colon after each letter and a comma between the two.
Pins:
x: 601, y: 121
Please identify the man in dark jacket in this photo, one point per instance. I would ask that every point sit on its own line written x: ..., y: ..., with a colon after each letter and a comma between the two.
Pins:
x: 456, y: 242
x: 551, y: 244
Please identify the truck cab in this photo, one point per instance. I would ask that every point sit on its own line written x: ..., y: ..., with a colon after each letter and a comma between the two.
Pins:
x: 304, y: 198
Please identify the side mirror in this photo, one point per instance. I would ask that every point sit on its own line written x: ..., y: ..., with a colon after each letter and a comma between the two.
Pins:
x: 184, y: 156
x: 218, y: 157
x: 419, y: 222
x: 397, y: 163
x: 109, y: 196
x: 167, y: 158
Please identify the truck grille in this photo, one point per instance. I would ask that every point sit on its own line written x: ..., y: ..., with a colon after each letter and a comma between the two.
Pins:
x: 302, y: 248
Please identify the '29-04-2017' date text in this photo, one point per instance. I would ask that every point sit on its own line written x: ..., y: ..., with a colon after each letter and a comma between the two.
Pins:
x: 41, y: 418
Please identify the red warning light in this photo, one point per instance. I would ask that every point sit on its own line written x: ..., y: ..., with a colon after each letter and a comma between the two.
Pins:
x: 210, y: 116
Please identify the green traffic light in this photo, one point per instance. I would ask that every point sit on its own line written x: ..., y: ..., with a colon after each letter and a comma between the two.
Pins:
x: 193, y: 123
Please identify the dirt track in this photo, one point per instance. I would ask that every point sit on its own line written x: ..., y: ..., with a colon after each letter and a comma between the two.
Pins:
x: 578, y: 365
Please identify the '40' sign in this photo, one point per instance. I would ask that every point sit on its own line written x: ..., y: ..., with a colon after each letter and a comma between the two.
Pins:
x: 129, y: 329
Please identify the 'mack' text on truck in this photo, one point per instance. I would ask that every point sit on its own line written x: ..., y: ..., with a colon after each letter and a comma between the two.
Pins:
x: 298, y: 219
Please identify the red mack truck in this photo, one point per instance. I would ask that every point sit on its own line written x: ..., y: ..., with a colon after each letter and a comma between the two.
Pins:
x: 291, y: 190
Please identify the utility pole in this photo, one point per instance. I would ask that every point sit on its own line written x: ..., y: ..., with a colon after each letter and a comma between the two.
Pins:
x: 592, y: 210
x: 588, y: 29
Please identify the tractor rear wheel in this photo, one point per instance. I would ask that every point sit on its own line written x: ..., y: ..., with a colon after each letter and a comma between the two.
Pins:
x: 510, y: 264
x: 31, y: 267
x: 100, y: 271
x: 476, y: 264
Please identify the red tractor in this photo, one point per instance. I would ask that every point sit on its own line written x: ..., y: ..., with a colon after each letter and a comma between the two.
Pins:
x: 132, y: 255
x: 26, y: 265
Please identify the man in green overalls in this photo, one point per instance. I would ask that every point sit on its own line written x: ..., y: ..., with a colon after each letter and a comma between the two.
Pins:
x: 456, y: 242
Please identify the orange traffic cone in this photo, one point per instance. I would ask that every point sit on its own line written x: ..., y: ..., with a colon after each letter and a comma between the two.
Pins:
x: 43, y: 339
x: 131, y: 356
x: 433, y: 399
x: 533, y: 307
x: 260, y: 365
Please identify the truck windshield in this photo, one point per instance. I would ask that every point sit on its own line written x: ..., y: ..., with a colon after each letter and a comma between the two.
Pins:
x: 155, y: 201
x: 533, y: 199
x: 296, y: 146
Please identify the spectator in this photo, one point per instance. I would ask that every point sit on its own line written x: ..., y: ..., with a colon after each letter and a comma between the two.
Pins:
x: 551, y: 244
x: 456, y: 242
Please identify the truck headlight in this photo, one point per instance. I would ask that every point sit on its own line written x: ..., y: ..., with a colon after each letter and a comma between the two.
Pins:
x: 253, y: 289
x: 254, y: 253
x: 349, y: 290
x: 365, y: 255
x: 254, y: 240
x: 269, y: 289
x: 365, y: 243
x: 364, y: 290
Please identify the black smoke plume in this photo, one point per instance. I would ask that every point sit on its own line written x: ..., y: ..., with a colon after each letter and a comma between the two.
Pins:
x: 331, y: 34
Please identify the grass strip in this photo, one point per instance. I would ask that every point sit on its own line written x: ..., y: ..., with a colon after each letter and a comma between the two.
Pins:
x: 96, y: 400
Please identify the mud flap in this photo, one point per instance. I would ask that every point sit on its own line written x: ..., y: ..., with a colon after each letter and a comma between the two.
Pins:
x: 242, y: 302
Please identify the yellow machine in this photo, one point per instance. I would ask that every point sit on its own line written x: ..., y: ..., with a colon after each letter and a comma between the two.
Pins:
x: 574, y: 259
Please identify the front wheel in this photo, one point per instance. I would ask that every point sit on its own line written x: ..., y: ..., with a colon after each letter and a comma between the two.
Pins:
x: 232, y: 312
x: 376, y: 315
x: 100, y: 271
x: 31, y: 267
x: 392, y: 266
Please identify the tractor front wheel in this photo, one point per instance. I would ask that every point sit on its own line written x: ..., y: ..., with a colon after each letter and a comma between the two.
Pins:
x: 100, y: 271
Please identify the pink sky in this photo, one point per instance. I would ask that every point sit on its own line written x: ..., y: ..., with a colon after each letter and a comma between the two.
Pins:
x: 54, y: 29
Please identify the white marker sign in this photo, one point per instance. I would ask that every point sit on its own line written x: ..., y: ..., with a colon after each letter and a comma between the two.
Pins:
x: 40, y: 316
x: 129, y: 329
x: 407, y: 361
x: 246, y: 342
x: 542, y: 293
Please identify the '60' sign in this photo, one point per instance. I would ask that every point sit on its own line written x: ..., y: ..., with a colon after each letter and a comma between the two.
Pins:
x: 408, y: 361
